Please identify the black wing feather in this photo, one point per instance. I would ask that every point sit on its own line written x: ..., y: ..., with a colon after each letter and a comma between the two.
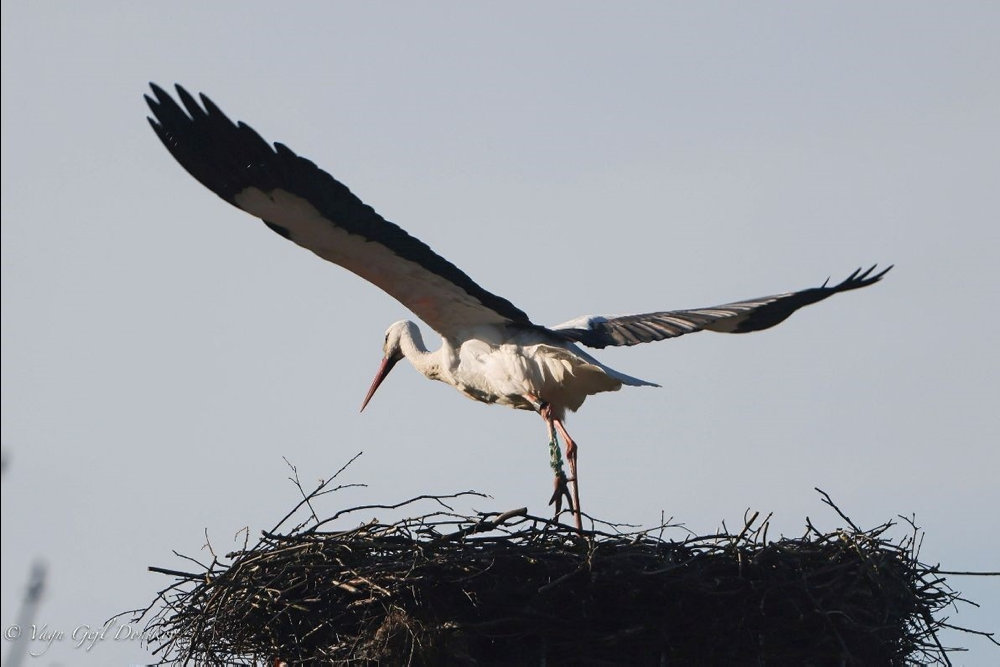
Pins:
x: 737, y: 317
x: 229, y: 158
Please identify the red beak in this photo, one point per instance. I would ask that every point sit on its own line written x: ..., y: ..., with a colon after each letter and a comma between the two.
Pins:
x: 383, y: 371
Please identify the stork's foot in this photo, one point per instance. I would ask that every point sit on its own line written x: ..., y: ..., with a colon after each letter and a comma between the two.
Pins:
x: 560, y: 493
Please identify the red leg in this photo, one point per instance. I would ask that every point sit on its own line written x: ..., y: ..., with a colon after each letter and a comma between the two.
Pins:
x: 574, y: 477
x: 561, y: 485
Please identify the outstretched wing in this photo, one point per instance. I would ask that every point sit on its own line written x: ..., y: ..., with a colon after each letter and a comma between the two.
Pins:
x: 305, y: 204
x: 738, y: 317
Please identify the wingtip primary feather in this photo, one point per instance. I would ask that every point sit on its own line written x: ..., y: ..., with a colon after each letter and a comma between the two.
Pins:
x: 189, y: 102
x: 211, y: 107
x: 159, y: 92
x: 860, y: 277
x: 878, y: 276
x: 154, y: 104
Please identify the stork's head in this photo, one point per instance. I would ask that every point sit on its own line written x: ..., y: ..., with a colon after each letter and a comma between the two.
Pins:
x: 392, y: 352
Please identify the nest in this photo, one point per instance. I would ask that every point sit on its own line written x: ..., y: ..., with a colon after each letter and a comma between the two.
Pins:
x: 511, y: 588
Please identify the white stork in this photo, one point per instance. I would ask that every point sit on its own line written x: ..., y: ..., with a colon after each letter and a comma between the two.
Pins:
x: 490, y: 351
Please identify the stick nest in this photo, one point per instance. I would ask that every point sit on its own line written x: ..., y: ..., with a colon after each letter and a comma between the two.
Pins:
x: 511, y: 588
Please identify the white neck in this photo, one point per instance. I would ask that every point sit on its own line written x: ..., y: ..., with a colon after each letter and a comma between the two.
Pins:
x: 411, y: 344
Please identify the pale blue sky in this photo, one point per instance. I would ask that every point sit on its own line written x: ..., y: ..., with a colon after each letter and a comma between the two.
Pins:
x: 162, y: 351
